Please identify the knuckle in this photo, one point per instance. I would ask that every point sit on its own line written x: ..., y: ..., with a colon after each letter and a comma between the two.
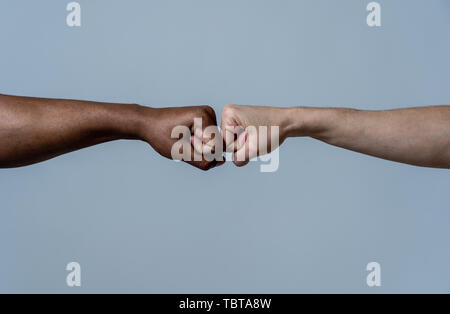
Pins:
x: 240, y: 163
x: 208, y: 110
x: 229, y: 109
x: 203, y: 166
x: 209, y: 115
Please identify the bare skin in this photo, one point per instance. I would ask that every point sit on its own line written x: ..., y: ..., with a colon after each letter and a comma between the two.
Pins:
x: 416, y: 136
x: 35, y: 129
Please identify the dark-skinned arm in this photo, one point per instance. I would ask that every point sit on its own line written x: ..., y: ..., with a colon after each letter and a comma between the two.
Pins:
x: 33, y: 130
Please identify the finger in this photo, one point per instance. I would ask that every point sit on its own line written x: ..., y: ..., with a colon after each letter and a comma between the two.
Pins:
x: 197, y: 160
x: 197, y: 144
x: 232, y: 134
x: 229, y: 136
x: 209, y: 148
x: 247, y: 148
x: 220, y: 163
x: 212, y: 139
x: 199, y: 133
x: 241, y: 157
x: 205, y: 145
x: 241, y: 140
x: 209, y: 133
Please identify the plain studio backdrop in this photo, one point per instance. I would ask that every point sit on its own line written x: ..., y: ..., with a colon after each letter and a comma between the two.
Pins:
x: 139, y: 223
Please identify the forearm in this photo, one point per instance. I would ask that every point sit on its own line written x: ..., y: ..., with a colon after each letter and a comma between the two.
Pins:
x: 35, y: 129
x: 417, y: 136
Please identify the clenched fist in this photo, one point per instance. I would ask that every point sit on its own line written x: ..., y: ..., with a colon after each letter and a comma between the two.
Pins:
x: 252, y: 131
x: 183, y: 131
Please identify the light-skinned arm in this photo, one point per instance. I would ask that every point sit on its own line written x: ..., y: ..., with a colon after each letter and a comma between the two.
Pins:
x: 417, y: 136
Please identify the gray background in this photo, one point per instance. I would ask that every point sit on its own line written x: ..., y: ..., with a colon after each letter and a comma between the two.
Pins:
x: 139, y: 223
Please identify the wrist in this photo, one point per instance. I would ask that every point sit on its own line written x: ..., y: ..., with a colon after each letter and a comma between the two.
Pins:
x: 294, y: 122
x: 140, y: 119
x: 126, y: 120
x: 306, y: 121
